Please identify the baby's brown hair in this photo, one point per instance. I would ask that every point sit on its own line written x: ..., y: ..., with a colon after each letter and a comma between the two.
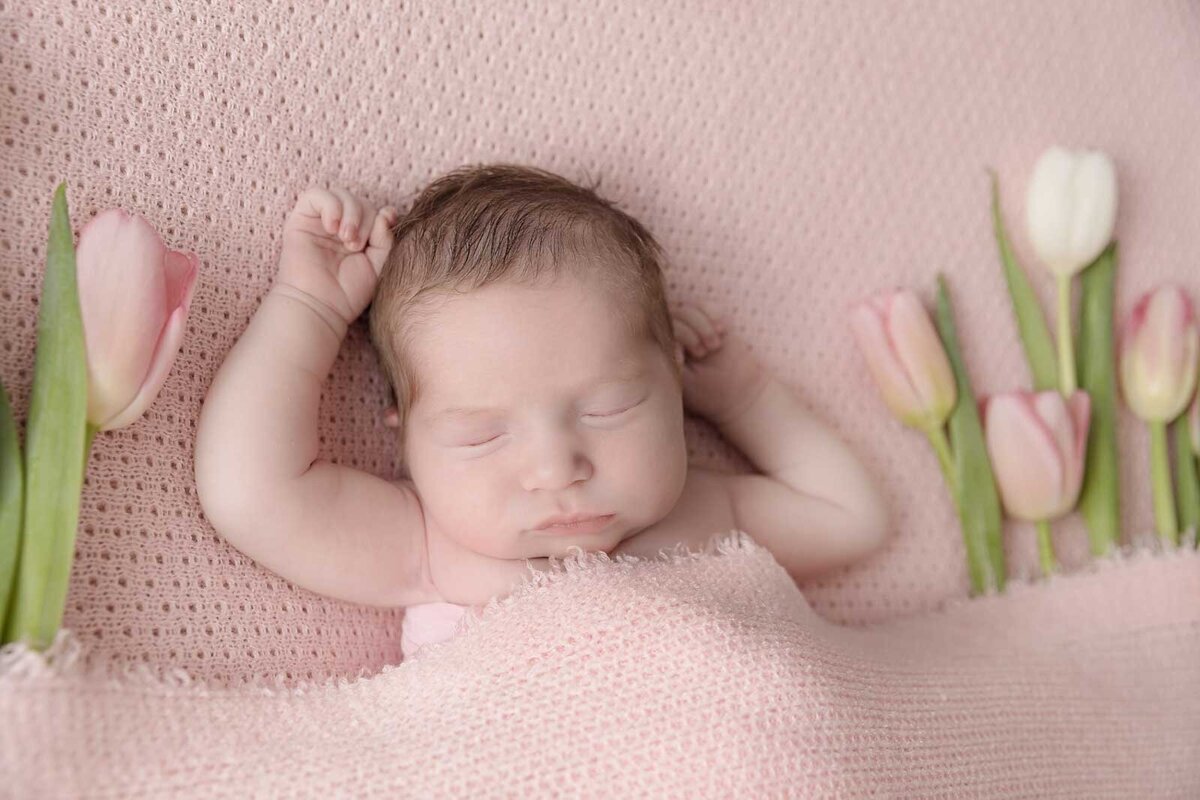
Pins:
x: 481, y: 224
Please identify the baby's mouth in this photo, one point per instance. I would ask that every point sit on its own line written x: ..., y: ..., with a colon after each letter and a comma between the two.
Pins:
x: 589, y: 525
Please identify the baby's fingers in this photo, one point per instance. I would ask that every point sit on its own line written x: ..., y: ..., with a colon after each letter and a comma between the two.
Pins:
x: 380, y: 242
x: 690, y: 338
x: 319, y: 204
x: 352, y: 217
x: 700, y: 321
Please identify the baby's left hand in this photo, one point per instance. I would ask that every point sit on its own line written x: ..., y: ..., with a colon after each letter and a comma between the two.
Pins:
x: 721, y: 377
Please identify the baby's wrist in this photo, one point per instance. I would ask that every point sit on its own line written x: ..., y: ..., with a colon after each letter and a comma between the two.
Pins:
x: 754, y: 389
x: 336, y: 324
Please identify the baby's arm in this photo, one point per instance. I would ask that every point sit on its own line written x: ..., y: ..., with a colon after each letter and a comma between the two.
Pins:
x: 330, y: 529
x: 817, y: 507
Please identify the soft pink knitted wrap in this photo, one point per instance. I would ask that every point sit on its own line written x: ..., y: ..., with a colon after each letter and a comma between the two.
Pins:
x: 792, y: 158
x: 695, y: 675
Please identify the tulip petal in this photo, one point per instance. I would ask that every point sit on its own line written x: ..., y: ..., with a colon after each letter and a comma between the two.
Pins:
x: 1055, y: 420
x: 1048, y: 209
x: 1164, y: 321
x: 898, y: 393
x: 1079, y: 406
x: 1028, y: 469
x: 1159, y: 350
x: 922, y: 356
x: 122, y: 296
x: 180, y: 270
x: 1187, y: 380
x: 164, y: 357
x: 1095, y: 206
x: 1126, y: 347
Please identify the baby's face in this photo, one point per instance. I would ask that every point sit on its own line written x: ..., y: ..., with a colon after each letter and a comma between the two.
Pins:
x: 576, y: 418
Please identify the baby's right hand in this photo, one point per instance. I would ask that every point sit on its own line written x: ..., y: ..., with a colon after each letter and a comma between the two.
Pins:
x: 334, y: 246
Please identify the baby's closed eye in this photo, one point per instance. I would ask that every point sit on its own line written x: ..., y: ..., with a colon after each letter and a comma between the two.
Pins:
x: 620, y: 410
x: 608, y: 412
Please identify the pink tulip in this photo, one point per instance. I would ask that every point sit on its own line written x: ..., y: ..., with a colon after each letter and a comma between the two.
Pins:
x: 1037, y: 443
x: 134, y: 295
x: 906, y: 358
x: 1160, y: 344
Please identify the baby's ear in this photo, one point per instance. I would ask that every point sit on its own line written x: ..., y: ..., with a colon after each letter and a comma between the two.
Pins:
x: 391, y: 417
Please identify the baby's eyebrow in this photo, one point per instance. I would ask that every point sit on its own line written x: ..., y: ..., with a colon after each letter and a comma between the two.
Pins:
x: 462, y: 412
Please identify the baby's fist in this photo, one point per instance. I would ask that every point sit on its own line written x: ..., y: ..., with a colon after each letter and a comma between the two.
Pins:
x: 721, y: 377
x: 334, y: 247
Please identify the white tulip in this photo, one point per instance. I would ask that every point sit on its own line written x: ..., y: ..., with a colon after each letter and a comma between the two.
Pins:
x: 1071, y: 208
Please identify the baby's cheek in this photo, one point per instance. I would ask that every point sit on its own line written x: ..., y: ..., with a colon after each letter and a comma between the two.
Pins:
x: 656, y: 469
x: 455, y: 495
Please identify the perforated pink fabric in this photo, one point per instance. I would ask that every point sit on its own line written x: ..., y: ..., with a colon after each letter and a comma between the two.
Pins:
x: 790, y: 157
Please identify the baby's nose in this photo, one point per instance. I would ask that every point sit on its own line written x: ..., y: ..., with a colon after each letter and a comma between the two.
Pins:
x: 556, y: 464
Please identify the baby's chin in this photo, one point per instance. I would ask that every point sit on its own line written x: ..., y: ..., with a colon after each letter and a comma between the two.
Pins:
x: 560, y: 545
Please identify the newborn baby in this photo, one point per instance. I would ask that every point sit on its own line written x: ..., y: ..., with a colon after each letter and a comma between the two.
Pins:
x: 540, y: 382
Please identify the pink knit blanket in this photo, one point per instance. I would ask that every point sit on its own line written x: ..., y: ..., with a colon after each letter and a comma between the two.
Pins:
x: 695, y: 675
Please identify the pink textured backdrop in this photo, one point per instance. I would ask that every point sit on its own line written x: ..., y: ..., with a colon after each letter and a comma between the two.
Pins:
x: 792, y: 158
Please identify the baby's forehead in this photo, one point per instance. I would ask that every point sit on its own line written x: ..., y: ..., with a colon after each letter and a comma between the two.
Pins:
x: 516, y: 366
x: 506, y: 323
x: 583, y: 363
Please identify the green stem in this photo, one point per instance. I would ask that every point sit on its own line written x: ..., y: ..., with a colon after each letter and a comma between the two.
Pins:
x: 1045, y: 548
x: 1187, y: 490
x: 1031, y: 322
x: 941, y: 446
x: 55, y: 429
x: 1066, y: 354
x: 12, y: 508
x: 979, y: 511
x: 1100, y: 499
x: 1160, y: 476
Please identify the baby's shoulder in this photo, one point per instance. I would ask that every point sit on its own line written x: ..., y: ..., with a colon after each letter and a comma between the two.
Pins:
x: 705, y: 499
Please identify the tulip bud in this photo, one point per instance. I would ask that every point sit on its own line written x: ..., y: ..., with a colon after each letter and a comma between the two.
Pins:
x: 1159, y: 347
x: 134, y: 295
x: 906, y: 358
x: 1037, y: 443
x: 1071, y: 207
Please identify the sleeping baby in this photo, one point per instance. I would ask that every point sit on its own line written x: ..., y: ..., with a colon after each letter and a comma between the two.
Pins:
x: 540, y: 380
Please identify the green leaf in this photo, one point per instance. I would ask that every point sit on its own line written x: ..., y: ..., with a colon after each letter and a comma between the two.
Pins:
x: 1187, y: 490
x: 54, y: 443
x: 979, y: 504
x: 1100, y: 499
x: 1035, y: 334
x: 12, y: 503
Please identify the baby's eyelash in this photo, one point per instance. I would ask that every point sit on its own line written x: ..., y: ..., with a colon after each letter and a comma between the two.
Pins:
x: 610, y: 414
x: 481, y: 444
